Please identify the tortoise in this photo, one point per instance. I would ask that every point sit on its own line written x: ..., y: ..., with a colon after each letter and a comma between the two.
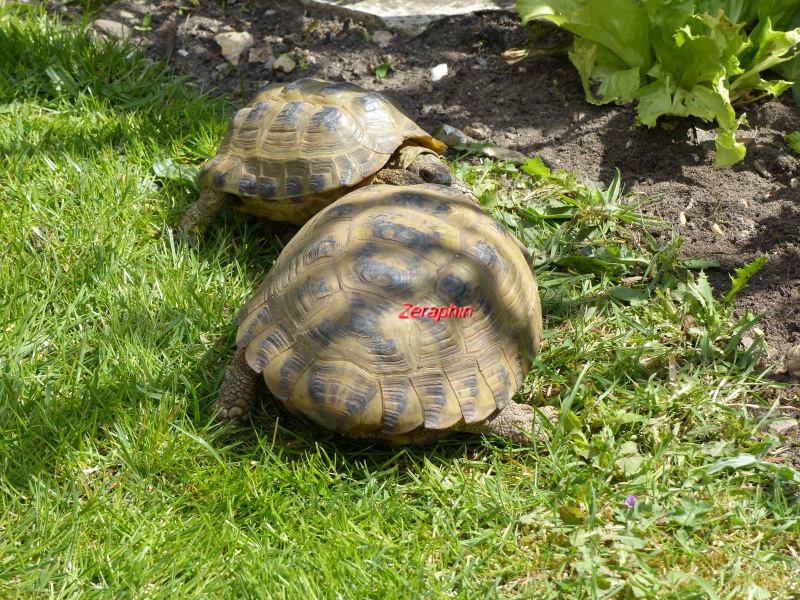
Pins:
x: 397, y: 313
x: 297, y: 147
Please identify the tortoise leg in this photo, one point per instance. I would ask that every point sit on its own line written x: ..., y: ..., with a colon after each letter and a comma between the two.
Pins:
x: 515, y: 422
x: 201, y: 213
x: 431, y: 169
x: 237, y: 392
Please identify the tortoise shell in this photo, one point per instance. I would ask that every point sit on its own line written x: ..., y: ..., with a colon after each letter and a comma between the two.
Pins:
x: 334, y: 332
x: 297, y: 147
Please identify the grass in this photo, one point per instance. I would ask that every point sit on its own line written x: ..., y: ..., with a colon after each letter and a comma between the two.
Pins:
x: 115, y: 336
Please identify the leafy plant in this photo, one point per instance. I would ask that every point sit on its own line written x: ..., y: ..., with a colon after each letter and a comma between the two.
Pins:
x: 381, y: 70
x: 793, y: 140
x: 145, y: 26
x: 683, y: 57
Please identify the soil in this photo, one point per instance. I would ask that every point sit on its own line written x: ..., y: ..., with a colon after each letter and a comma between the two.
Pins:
x: 536, y: 107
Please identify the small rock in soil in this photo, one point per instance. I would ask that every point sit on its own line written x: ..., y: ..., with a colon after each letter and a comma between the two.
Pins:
x: 234, y: 44
x: 260, y: 55
x: 706, y: 137
x: 477, y: 130
x: 438, y: 72
x: 382, y: 37
x: 284, y: 63
x: 452, y: 136
x: 113, y: 28
x: 761, y: 169
x: 506, y: 154
x: 784, y: 427
x: 129, y: 17
x: 793, y: 362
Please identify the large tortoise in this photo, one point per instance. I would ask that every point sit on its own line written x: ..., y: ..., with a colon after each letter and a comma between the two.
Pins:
x: 298, y: 147
x: 342, y: 333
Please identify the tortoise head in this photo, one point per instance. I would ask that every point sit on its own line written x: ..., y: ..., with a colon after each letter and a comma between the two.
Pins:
x: 431, y: 169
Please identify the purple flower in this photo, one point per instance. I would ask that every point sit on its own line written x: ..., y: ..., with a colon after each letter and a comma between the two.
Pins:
x: 630, y: 501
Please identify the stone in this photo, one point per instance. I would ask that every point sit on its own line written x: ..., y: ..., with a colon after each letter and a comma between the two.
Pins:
x: 706, y: 137
x: 438, y: 72
x: 112, y: 28
x: 407, y: 18
x: 452, y: 136
x: 477, y: 131
x: 793, y: 362
x: 234, y: 44
x: 284, y: 63
x: 784, y: 427
x: 260, y: 55
x: 382, y: 37
x: 128, y: 17
x: 506, y: 154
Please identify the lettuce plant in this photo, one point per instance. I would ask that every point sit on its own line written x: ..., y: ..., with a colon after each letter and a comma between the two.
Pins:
x: 680, y: 57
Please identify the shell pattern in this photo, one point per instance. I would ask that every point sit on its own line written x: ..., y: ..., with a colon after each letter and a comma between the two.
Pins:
x: 309, y: 141
x: 326, y: 331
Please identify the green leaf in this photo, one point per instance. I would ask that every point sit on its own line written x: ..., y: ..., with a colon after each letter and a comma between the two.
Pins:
x: 627, y: 294
x: 729, y: 151
x: 381, y: 70
x: 166, y: 168
x: 605, y: 77
x: 793, y: 140
x: 770, y: 49
x: 557, y: 11
x: 697, y: 264
x: 689, y: 513
x: 535, y: 166
x: 630, y: 465
x: 734, y: 462
x: 743, y: 275
x: 571, y: 515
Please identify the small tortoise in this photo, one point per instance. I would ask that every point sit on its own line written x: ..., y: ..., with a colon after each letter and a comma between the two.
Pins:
x: 298, y: 147
x: 397, y: 313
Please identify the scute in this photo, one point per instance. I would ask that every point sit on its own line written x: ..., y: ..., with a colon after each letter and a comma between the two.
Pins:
x: 326, y: 330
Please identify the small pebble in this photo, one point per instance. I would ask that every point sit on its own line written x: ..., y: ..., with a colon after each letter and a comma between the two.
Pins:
x: 382, y: 38
x: 259, y: 55
x: 182, y: 52
x: 284, y: 63
x: 234, y: 44
x: 438, y: 72
x: 793, y: 362
x: 112, y: 28
x: 784, y: 427
x: 761, y: 169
